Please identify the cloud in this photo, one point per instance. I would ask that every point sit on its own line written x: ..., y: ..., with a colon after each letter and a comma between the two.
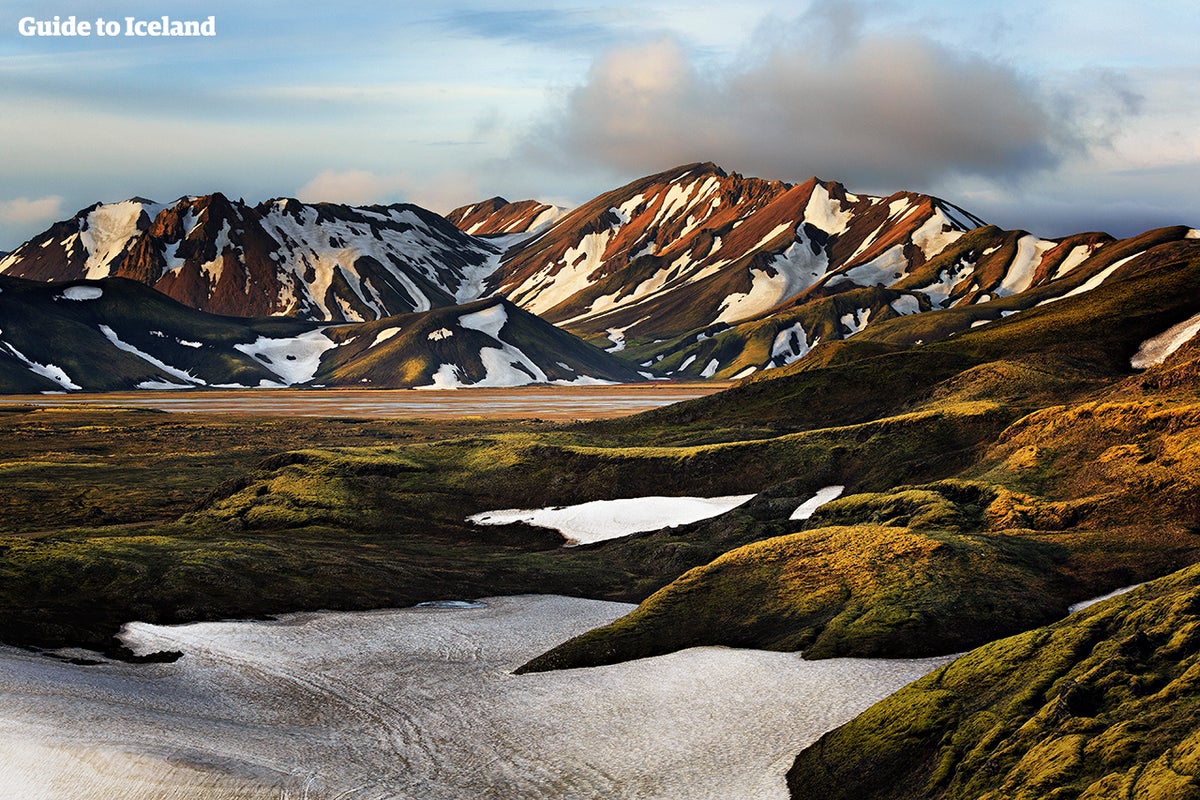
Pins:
x: 818, y: 98
x: 353, y: 187
x: 439, y: 192
x: 23, y: 211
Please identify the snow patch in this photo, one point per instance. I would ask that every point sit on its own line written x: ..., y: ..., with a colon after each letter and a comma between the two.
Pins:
x: 823, y: 496
x: 163, y: 386
x: 933, y: 238
x: 56, y: 374
x: 82, y: 293
x: 1092, y: 282
x: 215, y: 268
x: 856, y: 321
x: 503, y: 367
x: 947, y: 279
x: 826, y: 213
x: 1156, y: 349
x: 1082, y: 604
x: 383, y: 336
x: 791, y: 344
x: 626, y: 209
x: 883, y: 270
x: 710, y: 369
x: 1019, y: 277
x: 601, y: 520
x: 766, y: 291
x: 583, y: 380
x: 617, y: 337
x: 174, y: 372
x: 489, y: 321
x: 440, y: 334
x: 109, y: 229
x: 906, y: 305
x: 1076, y: 257
x: 295, y: 359
x: 446, y: 377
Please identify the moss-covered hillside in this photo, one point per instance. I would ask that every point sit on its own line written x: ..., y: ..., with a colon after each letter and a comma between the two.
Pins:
x: 1105, y: 704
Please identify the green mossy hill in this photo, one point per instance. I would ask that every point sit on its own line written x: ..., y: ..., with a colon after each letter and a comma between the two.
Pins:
x: 368, y: 488
x: 1109, y: 490
x: 1104, y: 704
x: 906, y: 585
x: 1118, y: 483
x: 78, y: 587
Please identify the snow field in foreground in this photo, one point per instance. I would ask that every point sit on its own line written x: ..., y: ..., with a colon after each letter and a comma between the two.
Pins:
x: 419, y: 702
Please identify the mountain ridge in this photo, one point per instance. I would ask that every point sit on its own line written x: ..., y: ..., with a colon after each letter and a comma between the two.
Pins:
x: 693, y: 272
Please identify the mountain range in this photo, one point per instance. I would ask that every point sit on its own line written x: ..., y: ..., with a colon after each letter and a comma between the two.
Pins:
x: 690, y: 273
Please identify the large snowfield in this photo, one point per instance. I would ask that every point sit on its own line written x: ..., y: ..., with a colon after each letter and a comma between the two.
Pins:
x: 418, y: 702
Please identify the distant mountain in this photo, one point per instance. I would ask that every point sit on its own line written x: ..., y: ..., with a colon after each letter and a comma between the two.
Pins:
x: 691, y: 273
x: 694, y: 246
x: 695, y: 272
x: 323, y: 262
x: 117, y: 334
x: 497, y: 217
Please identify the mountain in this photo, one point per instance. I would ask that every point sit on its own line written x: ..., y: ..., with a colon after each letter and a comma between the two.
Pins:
x: 990, y: 479
x: 694, y: 246
x: 322, y: 262
x: 498, y: 217
x: 699, y: 273
x: 117, y: 334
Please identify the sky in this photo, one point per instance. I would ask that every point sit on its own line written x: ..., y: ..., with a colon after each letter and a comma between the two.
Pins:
x: 1053, y: 116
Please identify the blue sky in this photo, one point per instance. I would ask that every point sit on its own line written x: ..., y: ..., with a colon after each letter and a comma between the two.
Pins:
x: 1054, y: 117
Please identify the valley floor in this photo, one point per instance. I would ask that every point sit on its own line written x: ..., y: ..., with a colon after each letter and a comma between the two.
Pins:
x: 522, y: 402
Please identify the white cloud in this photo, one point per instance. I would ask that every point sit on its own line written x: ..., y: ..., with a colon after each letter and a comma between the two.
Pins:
x: 439, y: 192
x: 353, y: 187
x: 24, y: 211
